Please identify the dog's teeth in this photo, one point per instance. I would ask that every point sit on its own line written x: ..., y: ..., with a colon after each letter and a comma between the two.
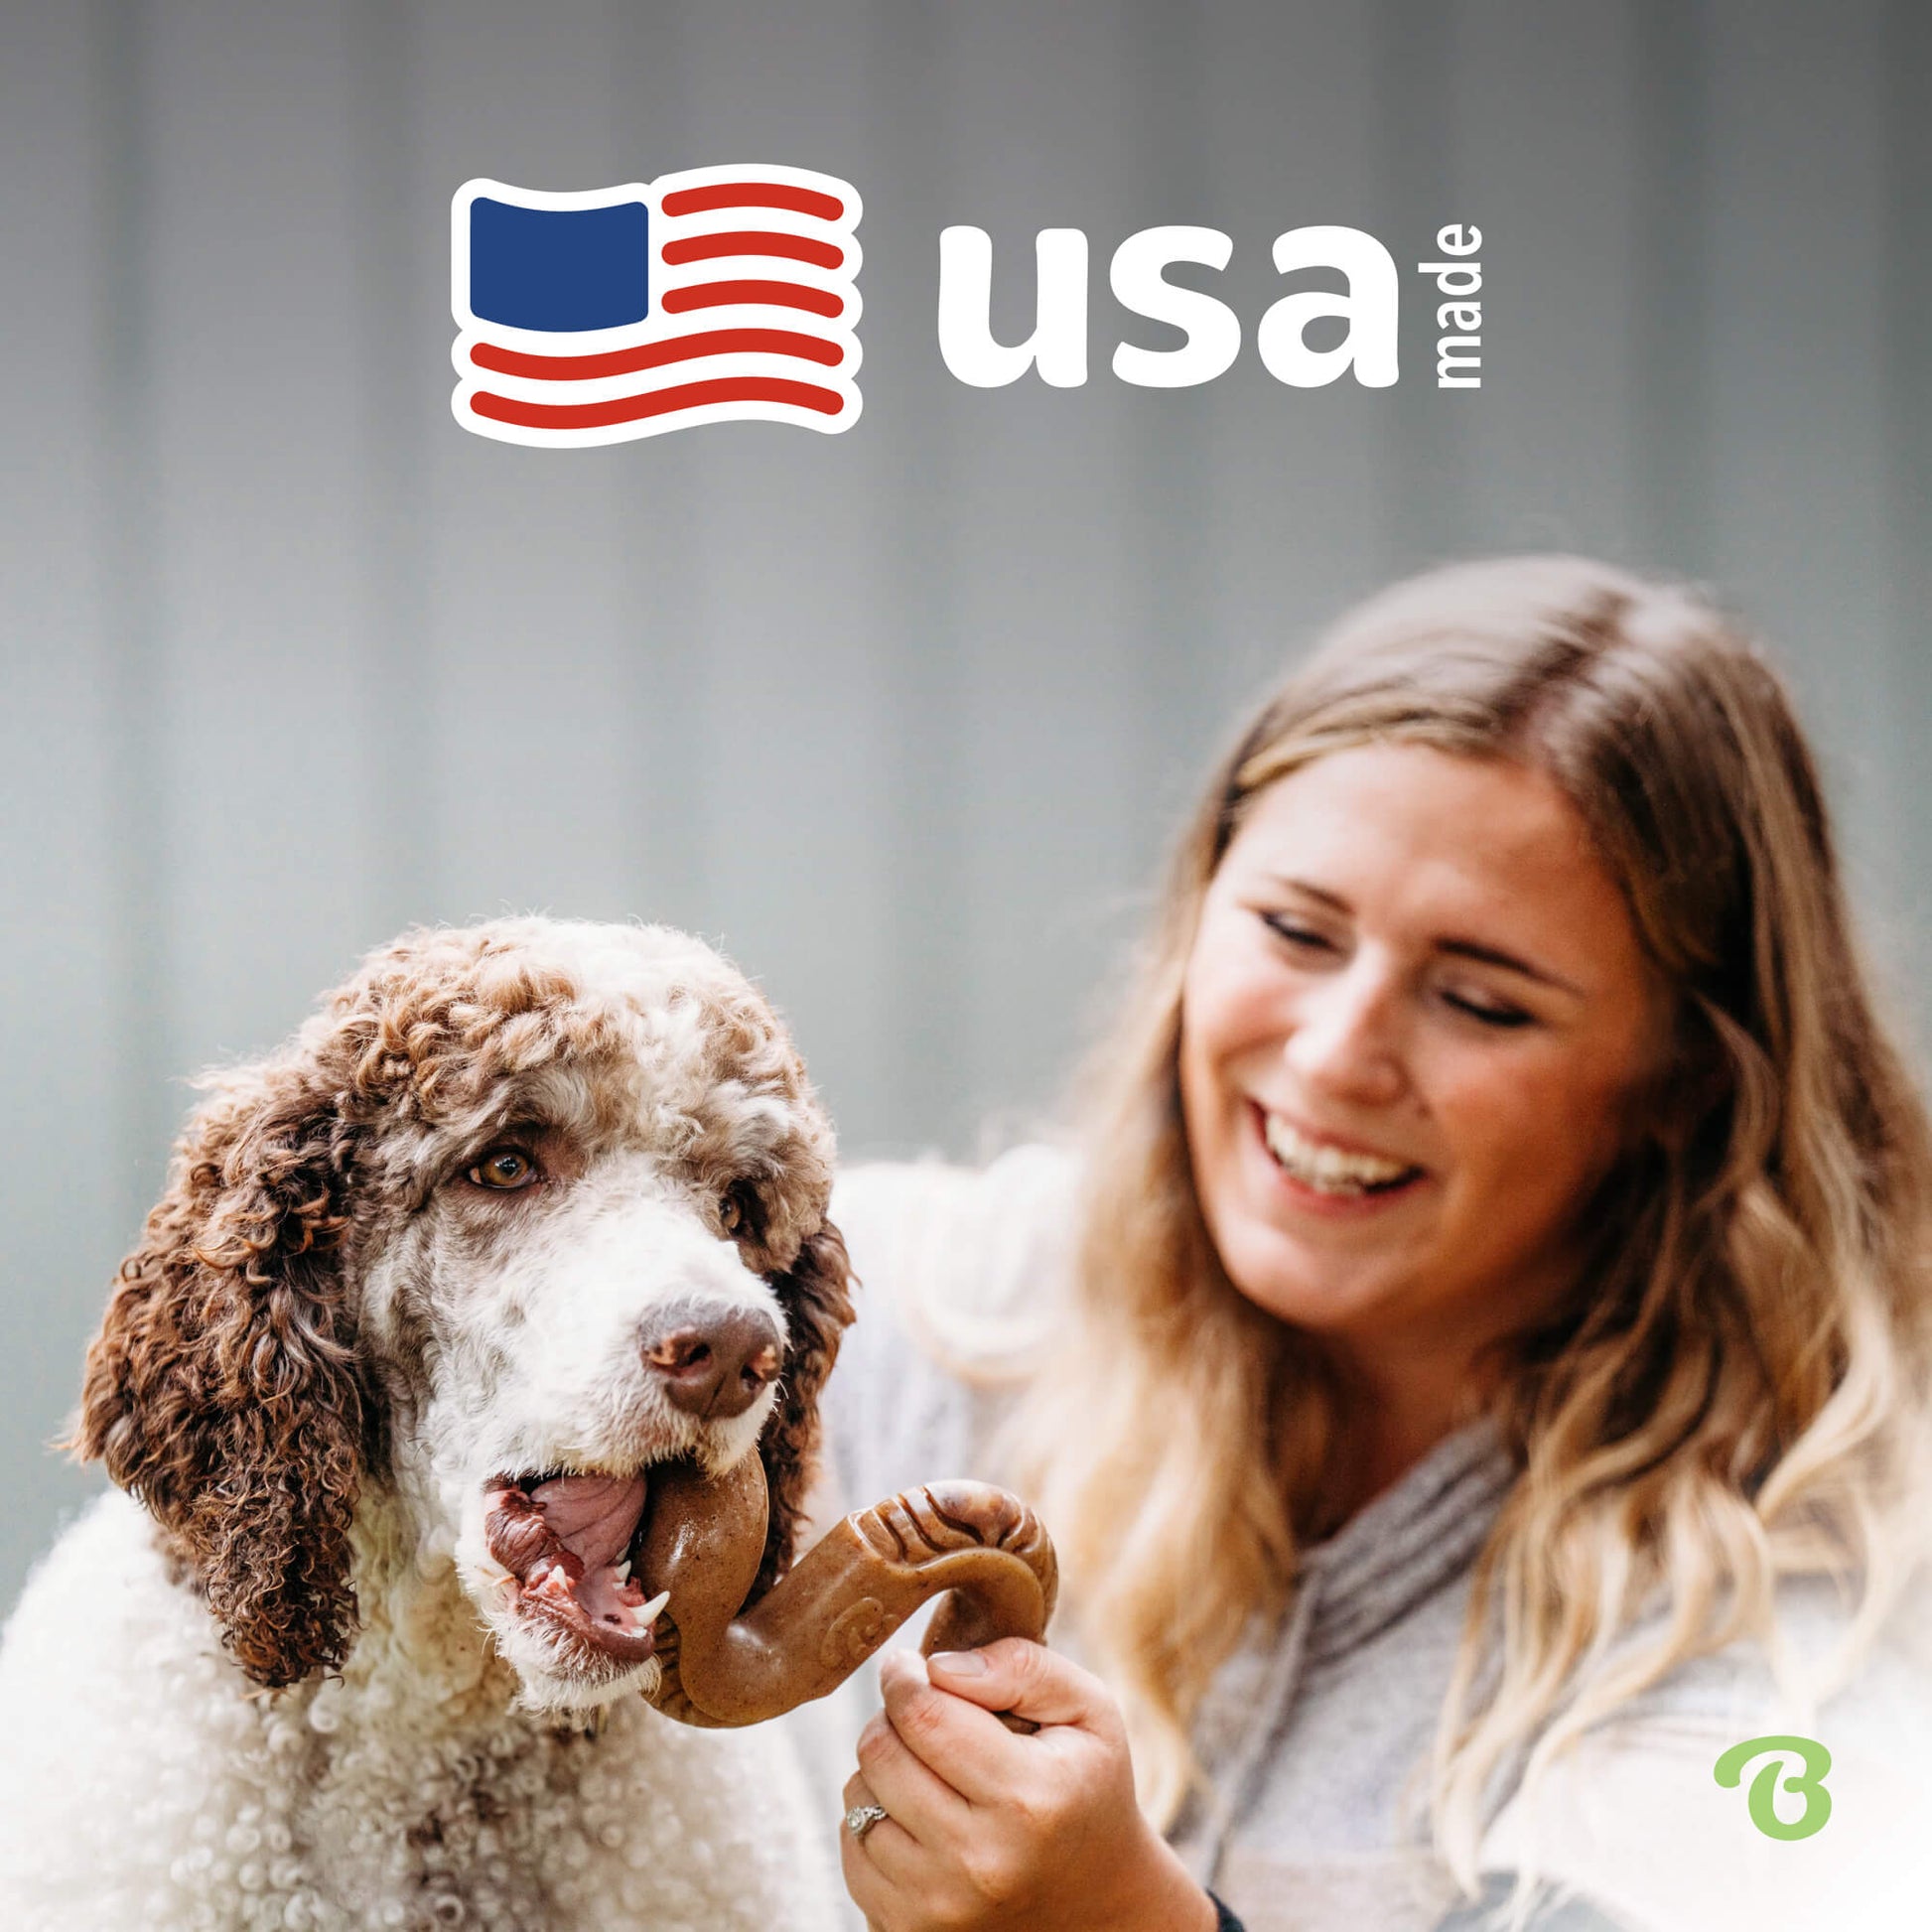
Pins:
x: 651, y: 1612
x: 622, y: 1572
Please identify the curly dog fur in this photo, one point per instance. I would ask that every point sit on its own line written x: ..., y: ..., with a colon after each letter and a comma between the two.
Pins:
x: 297, y: 1689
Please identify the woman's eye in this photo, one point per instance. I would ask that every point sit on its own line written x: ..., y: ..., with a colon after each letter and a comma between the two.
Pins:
x: 1297, y: 935
x: 504, y: 1170
x: 1488, y: 1014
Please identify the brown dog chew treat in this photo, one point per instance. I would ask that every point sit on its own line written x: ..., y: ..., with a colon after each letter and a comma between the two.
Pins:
x: 721, y: 1665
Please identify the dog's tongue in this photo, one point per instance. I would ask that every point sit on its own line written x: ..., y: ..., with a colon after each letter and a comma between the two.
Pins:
x: 593, y: 1517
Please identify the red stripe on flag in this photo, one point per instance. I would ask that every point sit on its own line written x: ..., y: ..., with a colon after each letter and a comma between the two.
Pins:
x: 749, y: 241
x: 780, y: 295
x: 754, y: 194
x: 655, y: 356
x: 660, y: 402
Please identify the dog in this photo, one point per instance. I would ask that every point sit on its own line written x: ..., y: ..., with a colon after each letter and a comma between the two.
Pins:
x: 525, y: 1209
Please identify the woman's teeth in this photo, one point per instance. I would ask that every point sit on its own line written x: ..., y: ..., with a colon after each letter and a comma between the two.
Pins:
x: 1328, y: 1170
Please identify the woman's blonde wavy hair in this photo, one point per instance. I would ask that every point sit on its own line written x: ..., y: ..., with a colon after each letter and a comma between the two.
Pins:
x: 1734, y: 1390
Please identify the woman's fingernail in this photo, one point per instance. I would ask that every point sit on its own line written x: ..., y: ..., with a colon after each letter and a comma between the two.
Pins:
x: 959, y: 1663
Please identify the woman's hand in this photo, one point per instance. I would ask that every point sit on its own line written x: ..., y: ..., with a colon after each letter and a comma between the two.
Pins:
x: 988, y: 1828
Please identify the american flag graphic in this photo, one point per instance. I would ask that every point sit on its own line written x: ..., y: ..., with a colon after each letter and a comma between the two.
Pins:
x: 715, y: 295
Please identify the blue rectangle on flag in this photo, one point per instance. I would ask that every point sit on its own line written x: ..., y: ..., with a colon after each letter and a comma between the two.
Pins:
x: 559, y: 269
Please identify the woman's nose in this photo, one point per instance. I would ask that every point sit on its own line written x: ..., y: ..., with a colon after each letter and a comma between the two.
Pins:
x: 1343, y: 1040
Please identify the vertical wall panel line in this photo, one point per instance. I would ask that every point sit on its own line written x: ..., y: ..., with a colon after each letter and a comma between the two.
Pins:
x: 926, y: 935
x: 668, y: 858
x: 1176, y: 704
x: 126, y: 435
x: 1908, y: 379
x: 1671, y: 324
x: 399, y: 360
x: 1428, y: 513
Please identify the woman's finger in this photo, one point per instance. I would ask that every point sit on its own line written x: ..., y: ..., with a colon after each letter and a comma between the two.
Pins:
x: 888, y: 1850
x: 901, y: 1843
x: 954, y: 1740
x: 1027, y: 1679
x: 948, y: 1721
x: 883, y: 1868
x: 917, y: 1796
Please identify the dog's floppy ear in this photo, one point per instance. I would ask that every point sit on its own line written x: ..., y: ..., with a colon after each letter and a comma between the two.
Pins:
x: 223, y: 1389
x: 816, y: 1296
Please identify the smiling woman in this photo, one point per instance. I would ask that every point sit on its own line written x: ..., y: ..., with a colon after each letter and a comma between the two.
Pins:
x: 1475, y: 1349
x: 1414, y: 1019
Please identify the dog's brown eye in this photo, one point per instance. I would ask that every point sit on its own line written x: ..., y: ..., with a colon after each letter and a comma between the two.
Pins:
x: 731, y: 1214
x: 504, y: 1170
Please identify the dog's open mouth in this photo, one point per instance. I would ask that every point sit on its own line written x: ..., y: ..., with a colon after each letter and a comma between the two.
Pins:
x: 570, y: 1541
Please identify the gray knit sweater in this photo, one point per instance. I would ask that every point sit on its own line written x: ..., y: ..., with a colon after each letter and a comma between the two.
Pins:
x: 1313, y: 1735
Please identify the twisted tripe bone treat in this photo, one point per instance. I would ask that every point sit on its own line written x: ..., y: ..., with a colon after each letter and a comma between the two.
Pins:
x: 840, y: 1602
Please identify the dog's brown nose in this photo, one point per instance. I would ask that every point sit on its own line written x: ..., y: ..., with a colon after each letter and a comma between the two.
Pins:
x: 715, y: 1361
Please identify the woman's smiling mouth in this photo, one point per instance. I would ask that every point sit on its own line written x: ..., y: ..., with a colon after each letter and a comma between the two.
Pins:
x: 1332, y: 1175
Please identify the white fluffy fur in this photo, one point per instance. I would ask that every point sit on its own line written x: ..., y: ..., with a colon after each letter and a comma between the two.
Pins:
x: 147, y: 1785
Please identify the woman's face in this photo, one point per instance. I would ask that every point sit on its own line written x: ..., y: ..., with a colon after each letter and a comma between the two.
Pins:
x: 1414, y: 1006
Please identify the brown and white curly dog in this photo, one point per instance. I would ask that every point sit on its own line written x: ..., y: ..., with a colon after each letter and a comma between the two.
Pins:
x: 523, y: 1210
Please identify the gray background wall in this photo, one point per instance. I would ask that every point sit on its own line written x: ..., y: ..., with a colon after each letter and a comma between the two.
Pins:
x: 901, y: 717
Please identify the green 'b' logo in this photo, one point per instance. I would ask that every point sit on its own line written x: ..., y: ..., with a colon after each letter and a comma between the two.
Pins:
x: 1808, y: 1782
